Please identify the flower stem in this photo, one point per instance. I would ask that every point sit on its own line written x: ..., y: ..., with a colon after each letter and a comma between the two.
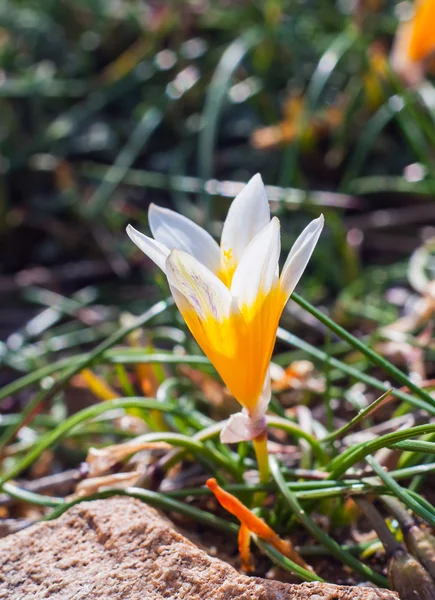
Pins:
x: 260, y: 447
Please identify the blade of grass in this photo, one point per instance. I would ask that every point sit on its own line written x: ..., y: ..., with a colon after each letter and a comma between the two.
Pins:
x: 355, y: 454
x: 30, y: 497
x: 283, y: 562
x: 415, y: 446
x: 287, y: 196
x: 359, y: 417
x: 373, y: 356
x: 192, y: 444
x: 292, y: 339
x: 399, y: 492
x: 318, y: 533
x: 45, y: 395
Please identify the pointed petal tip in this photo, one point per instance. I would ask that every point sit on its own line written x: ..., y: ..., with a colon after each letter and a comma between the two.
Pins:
x: 257, y: 178
x: 256, y: 182
x: 154, y: 208
x: 154, y: 250
x: 155, y: 211
x: 131, y: 231
x: 174, y: 230
x: 317, y: 224
x: 276, y: 222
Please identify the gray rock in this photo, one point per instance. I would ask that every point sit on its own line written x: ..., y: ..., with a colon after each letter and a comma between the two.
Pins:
x: 121, y: 548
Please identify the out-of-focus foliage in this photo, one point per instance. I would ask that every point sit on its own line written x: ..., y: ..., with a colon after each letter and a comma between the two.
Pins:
x: 173, y: 96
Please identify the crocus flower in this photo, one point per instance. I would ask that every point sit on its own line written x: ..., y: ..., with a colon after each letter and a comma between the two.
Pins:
x: 414, y: 46
x: 232, y: 296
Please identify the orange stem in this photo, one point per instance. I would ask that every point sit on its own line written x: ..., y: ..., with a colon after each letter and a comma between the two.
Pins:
x: 253, y: 523
x: 244, y: 540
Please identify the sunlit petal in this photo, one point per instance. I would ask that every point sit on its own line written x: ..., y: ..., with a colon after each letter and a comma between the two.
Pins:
x: 156, y: 251
x: 248, y: 214
x: 299, y: 256
x: 178, y: 232
x: 256, y: 273
x: 205, y: 293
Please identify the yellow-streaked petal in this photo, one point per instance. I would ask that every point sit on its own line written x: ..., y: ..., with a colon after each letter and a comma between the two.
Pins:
x: 239, y: 350
x: 238, y: 344
x: 248, y: 214
x: 205, y: 293
x: 205, y: 303
x: 256, y: 273
x: 177, y: 232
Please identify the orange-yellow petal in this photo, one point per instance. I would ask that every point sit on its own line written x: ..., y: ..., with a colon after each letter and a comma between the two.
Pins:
x: 422, y: 38
x: 240, y: 347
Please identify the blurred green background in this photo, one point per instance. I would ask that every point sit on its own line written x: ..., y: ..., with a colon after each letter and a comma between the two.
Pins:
x: 108, y: 105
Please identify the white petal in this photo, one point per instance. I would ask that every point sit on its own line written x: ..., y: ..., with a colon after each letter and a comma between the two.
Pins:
x: 180, y: 233
x: 248, y: 214
x: 242, y: 428
x: 257, y: 271
x: 154, y: 250
x: 205, y: 293
x: 299, y: 255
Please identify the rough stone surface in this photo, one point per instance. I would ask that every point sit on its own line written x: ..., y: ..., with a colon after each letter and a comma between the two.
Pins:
x: 121, y: 548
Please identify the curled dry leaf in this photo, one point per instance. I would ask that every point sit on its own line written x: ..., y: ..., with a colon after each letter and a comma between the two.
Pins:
x: 101, y: 460
x: 98, y: 484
